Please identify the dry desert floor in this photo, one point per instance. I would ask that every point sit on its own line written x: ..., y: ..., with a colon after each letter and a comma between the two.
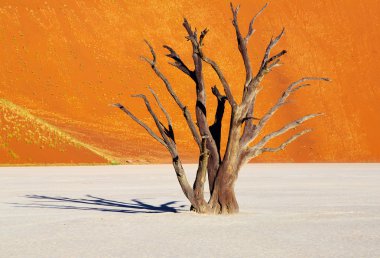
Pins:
x: 287, y: 210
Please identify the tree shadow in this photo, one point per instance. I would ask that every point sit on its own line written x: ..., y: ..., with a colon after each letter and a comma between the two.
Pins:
x: 93, y: 203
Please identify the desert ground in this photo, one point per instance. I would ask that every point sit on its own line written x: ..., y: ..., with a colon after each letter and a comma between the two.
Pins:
x: 287, y: 210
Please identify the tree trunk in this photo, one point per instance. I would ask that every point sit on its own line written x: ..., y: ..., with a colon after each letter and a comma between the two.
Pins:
x: 223, y: 199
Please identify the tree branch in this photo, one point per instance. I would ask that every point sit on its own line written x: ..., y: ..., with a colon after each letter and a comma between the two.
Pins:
x: 288, y: 141
x: 282, y: 100
x: 160, y: 126
x: 197, y: 49
x: 169, y: 144
x: 243, y: 41
x: 142, y: 124
x: 253, y: 152
x: 178, y: 62
x: 251, y: 30
x: 169, y: 88
x: 201, y: 109
x: 271, y: 45
x: 251, y: 90
x: 222, y: 79
x: 267, y: 64
x: 168, y: 131
x: 284, y: 129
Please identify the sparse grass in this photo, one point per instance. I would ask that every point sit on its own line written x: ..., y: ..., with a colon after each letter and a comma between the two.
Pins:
x: 114, y: 162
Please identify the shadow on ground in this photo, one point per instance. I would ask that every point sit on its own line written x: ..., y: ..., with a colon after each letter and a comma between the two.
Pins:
x: 93, y: 203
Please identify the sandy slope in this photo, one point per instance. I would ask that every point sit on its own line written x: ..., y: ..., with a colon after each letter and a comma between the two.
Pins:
x: 27, y: 139
x: 117, y: 211
x: 67, y: 60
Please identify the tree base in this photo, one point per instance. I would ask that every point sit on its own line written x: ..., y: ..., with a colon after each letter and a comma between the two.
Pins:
x: 225, y: 204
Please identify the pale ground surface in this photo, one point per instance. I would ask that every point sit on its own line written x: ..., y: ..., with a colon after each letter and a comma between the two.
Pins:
x: 287, y: 210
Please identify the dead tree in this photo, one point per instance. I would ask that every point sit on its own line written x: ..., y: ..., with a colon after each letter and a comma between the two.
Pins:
x: 221, y: 170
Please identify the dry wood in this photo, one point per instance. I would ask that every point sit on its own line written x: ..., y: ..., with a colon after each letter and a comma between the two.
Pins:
x: 169, y: 88
x: 141, y: 123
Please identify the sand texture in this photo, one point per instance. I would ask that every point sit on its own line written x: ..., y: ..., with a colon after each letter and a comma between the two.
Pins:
x: 287, y: 210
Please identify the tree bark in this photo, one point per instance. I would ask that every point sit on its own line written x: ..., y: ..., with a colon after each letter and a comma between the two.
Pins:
x: 223, y: 199
x: 200, y: 205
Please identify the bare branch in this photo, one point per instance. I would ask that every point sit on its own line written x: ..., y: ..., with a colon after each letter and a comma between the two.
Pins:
x: 222, y: 79
x: 134, y: 118
x: 192, y: 35
x: 180, y: 173
x: 301, y: 86
x: 171, y: 146
x: 161, y: 106
x: 288, y: 141
x: 201, y: 109
x: 284, y: 129
x: 282, y: 101
x: 251, y: 84
x: 217, y: 94
x: 250, y: 118
x: 243, y: 41
x: 251, y: 30
x: 184, y: 109
x: 202, y: 36
x: 163, y: 131
x: 274, y: 64
x: 168, y: 131
x: 276, y: 57
x: 267, y: 64
x: 153, y: 61
x: 235, y: 12
x: 197, y: 47
x: 178, y: 62
x: 271, y: 45
x: 182, y: 180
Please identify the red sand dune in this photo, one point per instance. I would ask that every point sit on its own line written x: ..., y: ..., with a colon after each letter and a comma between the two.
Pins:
x: 67, y: 61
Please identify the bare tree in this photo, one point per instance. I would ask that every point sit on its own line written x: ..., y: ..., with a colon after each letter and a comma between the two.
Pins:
x: 244, y: 128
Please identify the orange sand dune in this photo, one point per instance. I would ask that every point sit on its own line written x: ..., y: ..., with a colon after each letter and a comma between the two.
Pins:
x: 67, y: 60
x: 26, y: 139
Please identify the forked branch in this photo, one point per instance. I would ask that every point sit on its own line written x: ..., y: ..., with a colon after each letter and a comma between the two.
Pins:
x: 284, y: 129
x: 226, y: 86
x: 169, y: 143
x: 256, y: 152
x: 178, y: 62
x: 197, y: 47
x: 169, y: 131
x: 267, y: 60
x: 243, y: 41
x: 169, y: 88
x: 201, y: 109
x: 251, y: 30
x: 252, y: 88
x: 281, y: 101
x: 288, y: 141
x: 141, y: 123
x: 163, y: 130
